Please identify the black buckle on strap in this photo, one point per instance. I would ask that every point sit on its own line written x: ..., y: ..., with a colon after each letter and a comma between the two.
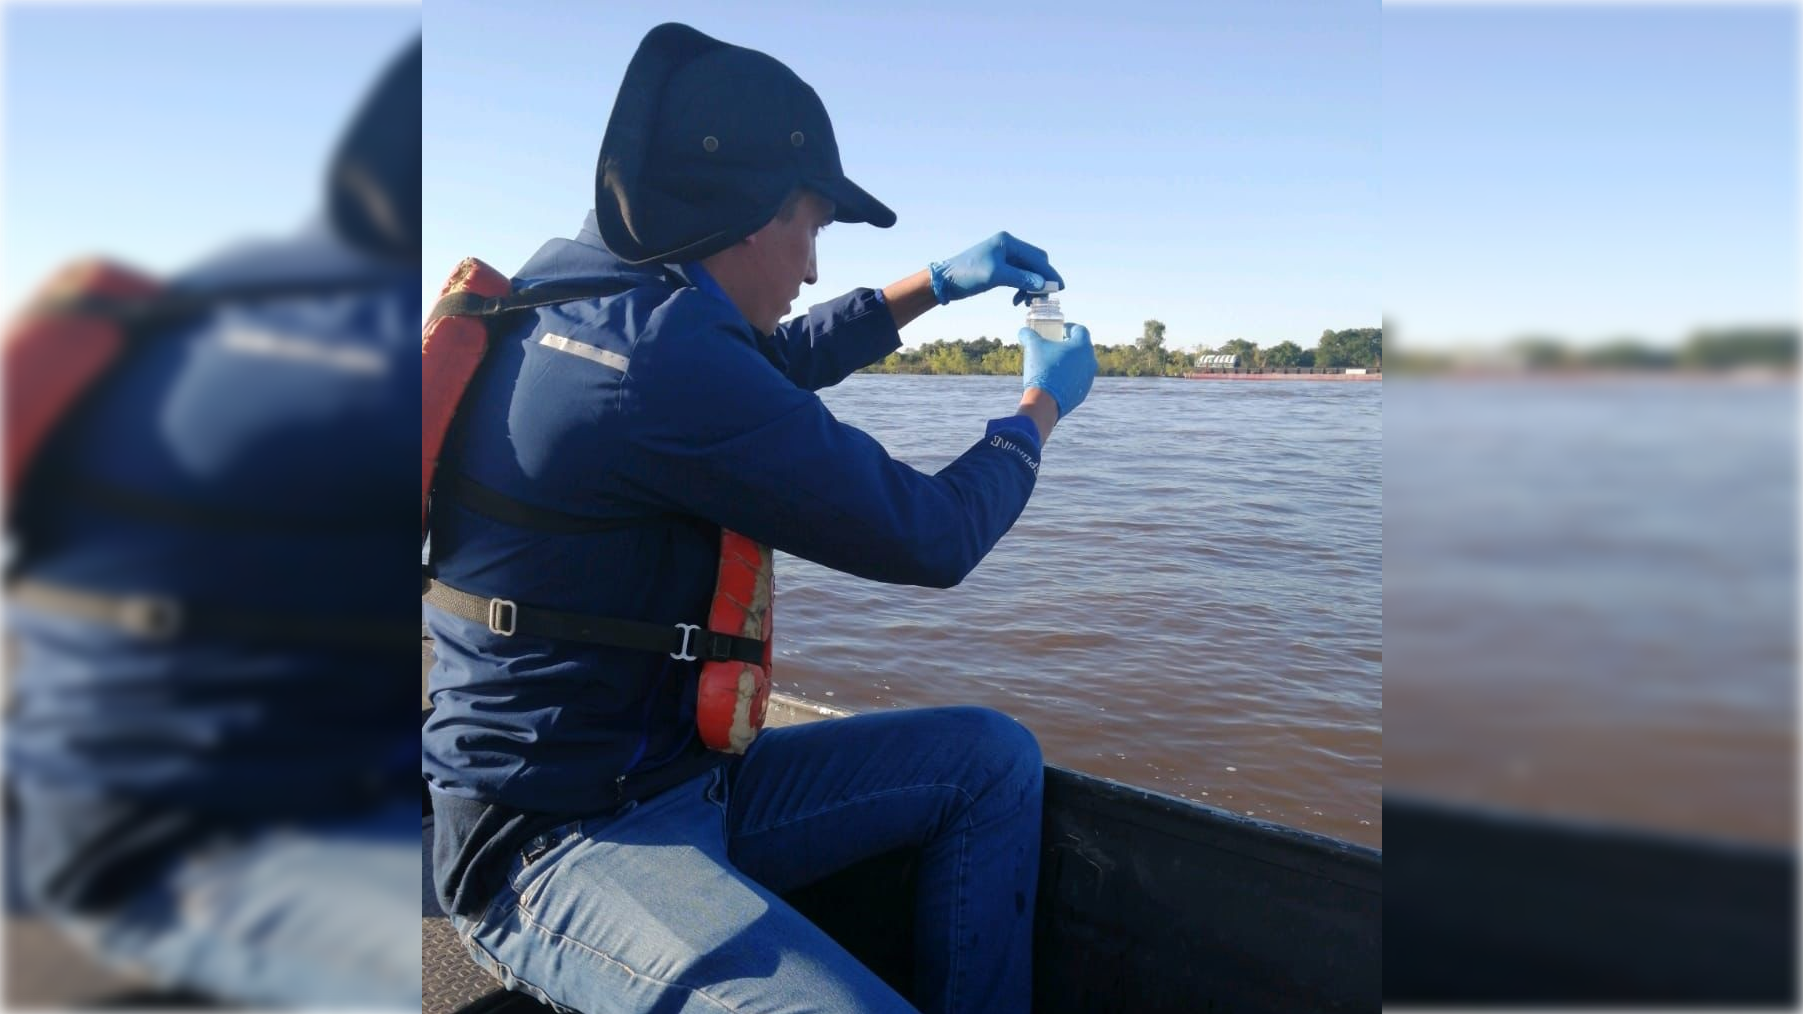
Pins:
x: 702, y: 645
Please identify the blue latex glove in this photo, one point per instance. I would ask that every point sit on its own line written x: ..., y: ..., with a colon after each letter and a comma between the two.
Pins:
x: 1063, y: 369
x: 1000, y: 260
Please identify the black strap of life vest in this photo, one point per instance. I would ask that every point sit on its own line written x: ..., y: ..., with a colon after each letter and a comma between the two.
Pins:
x: 469, y: 304
x: 155, y: 617
x: 685, y: 642
x: 124, y: 502
x: 175, y: 304
x: 500, y: 507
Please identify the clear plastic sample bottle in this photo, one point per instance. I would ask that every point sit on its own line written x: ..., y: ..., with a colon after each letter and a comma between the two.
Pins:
x: 1045, y: 316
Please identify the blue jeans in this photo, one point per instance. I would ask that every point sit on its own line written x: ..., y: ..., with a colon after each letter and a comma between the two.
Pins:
x: 319, y: 916
x: 672, y: 904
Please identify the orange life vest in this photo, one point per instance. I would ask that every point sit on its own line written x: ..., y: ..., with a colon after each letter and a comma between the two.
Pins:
x: 729, y: 710
x: 733, y: 692
x: 80, y: 324
x: 57, y: 349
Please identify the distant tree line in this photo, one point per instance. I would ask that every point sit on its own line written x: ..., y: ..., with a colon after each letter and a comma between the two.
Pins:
x: 1145, y: 357
x: 1711, y: 349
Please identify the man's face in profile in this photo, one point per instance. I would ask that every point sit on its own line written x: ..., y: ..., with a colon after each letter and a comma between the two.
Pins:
x: 783, y: 257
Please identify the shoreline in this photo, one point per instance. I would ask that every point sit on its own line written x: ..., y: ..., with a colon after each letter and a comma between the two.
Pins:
x: 1365, y: 377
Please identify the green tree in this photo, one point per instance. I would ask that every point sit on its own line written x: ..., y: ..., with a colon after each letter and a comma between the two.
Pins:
x: 1151, y: 347
x: 1627, y: 354
x: 1776, y: 346
x: 1283, y: 356
x: 1359, y: 346
x: 1367, y: 344
x: 947, y: 358
x: 1537, y: 352
x: 975, y: 351
x: 1246, y: 350
x: 1002, y: 361
x: 1152, y: 337
x: 1329, y: 352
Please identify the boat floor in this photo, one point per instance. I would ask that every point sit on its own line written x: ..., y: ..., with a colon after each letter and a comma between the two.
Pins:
x: 451, y: 981
x: 44, y: 971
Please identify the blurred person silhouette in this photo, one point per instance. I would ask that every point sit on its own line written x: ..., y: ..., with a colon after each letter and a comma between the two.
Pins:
x: 212, y: 729
x: 612, y: 831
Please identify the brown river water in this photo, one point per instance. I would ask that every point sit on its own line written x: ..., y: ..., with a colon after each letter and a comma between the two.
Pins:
x: 1191, y: 602
x: 1590, y: 599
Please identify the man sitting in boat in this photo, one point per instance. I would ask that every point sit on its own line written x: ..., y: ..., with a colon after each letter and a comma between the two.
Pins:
x: 612, y: 832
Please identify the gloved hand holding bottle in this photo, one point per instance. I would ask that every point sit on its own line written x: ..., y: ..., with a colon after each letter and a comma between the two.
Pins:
x: 1001, y: 260
x: 1062, y: 369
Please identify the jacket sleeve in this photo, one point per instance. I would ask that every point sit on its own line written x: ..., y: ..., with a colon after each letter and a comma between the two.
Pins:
x: 835, y: 339
x: 715, y: 430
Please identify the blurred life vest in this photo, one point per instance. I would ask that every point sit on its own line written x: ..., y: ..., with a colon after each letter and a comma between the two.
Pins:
x: 69, y: 336
x: 734, y: 645
x: 79, y: 328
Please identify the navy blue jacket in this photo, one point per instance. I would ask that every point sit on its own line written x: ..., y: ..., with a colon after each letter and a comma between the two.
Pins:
x: 660, y: 404
x: 244, y: 459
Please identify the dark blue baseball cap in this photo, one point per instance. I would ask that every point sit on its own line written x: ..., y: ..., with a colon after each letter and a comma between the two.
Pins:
x: 705, y: 142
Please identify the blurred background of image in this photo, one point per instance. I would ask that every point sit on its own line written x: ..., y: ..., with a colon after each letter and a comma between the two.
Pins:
x: 1583, y: 542
x: 211, y: 240
x: 1590, y: 502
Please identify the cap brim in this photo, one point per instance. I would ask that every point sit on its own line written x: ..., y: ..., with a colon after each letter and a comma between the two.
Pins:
x: 852, y: 203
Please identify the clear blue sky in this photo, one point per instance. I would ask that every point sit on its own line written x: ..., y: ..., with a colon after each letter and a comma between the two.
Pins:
x: 1212, y: 165
x: 1587, y: 173
x: 1578, y: 171
x: 160, y: 136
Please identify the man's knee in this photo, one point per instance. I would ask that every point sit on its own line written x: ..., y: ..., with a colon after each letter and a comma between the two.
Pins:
x: 1001, y: 746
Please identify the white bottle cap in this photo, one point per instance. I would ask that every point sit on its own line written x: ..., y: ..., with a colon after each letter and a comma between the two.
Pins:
x: 1050, y: 286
